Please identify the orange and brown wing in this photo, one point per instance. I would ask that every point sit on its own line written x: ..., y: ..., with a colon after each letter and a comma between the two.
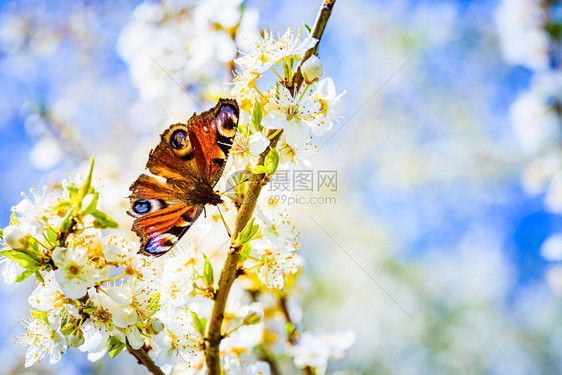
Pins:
x: 161, y: 219
x: 211, y: 134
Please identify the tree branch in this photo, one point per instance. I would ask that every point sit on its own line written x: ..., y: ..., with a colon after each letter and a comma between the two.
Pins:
x: 257, y: 181
x: 142, y: 356
x: 317, y: 32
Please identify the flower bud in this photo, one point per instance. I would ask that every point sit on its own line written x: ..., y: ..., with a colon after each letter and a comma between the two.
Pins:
x: 154, y: 326
x: 76, y: 339
x: 311, y: 69
x: 254, y: 317
x: 13, y: 237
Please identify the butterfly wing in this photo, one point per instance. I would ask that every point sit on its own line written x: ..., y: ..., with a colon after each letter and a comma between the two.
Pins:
x: 161, y: 219
x: 191, y: 159
x: 211, y: 135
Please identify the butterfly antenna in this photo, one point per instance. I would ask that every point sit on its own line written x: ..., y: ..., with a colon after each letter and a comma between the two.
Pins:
x: 225, y: 224
x: 232, y: 187
x: 226, y: 144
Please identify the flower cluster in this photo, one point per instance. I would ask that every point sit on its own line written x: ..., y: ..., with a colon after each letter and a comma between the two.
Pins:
x: 312, y: 108
x: 530, y: 31
x: 193, y: 42
x: 94, y: 293
x: 530, y: 36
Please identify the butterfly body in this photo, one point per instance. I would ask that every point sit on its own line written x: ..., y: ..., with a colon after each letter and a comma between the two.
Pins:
x: 186, y: 164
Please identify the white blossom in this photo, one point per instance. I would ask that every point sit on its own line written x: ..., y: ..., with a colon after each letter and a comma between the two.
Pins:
x: 10, y: 270
x: 315, y: 349
x: 294, y: 114
x: 332, y: 106
x: 42, y: 337
x: 258, y: 52
x: 244, y: 364
x: 73, y: 272
x: 523, y: 39
x: 179, y: 342
x: 96, y: 335
x: 275, y: 267
x: 291, y: 45
x: 49, y: 297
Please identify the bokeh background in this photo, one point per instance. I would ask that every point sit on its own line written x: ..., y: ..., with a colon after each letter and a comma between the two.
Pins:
x: 441, y: 250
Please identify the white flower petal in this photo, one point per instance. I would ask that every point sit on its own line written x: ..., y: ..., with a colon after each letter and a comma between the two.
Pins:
x: 257, y: 143
x: 274, y: 120
x: 296, y: 133
x: 124, y: 316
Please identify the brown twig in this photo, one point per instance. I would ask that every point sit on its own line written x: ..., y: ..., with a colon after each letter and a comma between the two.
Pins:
x: 257, y: 181
x: 317, y: 32
x: 293, y: 336
x: 144, y: 359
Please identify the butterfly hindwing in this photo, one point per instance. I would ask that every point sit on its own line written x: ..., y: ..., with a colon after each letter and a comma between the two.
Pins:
x: 161, y: 219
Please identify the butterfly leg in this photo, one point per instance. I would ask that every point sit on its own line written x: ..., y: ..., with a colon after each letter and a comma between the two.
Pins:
x: 224, y: 222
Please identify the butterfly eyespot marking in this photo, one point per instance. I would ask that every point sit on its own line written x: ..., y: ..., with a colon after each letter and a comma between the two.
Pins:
x: 179, y: 139
x: 142, y: 206
x: 161, y: 243
x: 227, y: 120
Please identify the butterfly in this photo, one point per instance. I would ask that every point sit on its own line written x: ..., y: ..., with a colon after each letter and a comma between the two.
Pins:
x: 186, y: 164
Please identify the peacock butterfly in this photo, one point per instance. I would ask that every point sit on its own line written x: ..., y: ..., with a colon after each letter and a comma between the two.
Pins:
x: 187, y: 163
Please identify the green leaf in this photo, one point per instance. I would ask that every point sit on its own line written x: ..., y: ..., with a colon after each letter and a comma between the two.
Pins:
x: 246, y: 248
x: 115, y: 346
x: 200, y: 323
x: 259, y: 169
x: 257, y: 116
x: 24, y: 275
x: 308, y: 28
x: 39, y: 277
x: 66, y: 331
x: 287, y: 72
x: 24, y: 258
x: 61, y: 205
x: 102, y: 220
x: 40, y: 315
x: 252, y: 318
x: 90, y: 308
x: 554, y: 29
x: 86, y: 187
x: 51, y: 234
x: 154, y: 303
x: 208, y: 276
x: 289, y: 328
x: 1, y: 234
x: 66, y: 222
x: 271, y: 161
x: 244, y: 129
x: 73, y: 193
x: 248, y: 233
x: 91, y: 205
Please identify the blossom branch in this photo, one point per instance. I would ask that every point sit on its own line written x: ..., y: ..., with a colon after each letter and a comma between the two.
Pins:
x: 317, y: 31
x: 142, y: 356
x: 257, y: 181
